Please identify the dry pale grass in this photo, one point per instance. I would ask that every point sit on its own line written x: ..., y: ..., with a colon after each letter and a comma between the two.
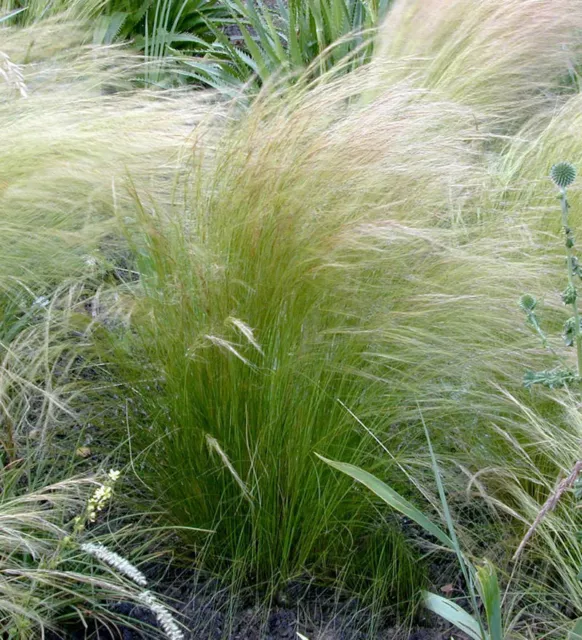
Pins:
x: 79, y: 132
x: 42, y: 577
x: 500, y: 57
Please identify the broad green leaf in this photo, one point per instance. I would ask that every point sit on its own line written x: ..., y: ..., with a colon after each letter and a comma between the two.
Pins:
x: 107, y: 28
x: 255, y: 51
x: 454, y: 614
x: 186, y: 37
x: 491, y: 596
x: 273, y: 34
x: 294, y: 46
x: 179, y: 16
x: 392, y: 498
x: 576, y: 631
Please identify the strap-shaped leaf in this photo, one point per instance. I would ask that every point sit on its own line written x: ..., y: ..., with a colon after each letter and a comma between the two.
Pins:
x: 456, y: 615
x: 12, y: 14
x: 392, y: 498
x: 491, y: 596
x: 576, y: 631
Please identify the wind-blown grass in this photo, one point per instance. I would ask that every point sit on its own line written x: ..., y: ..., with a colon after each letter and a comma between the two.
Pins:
x: 38, y: 10
x: 548, y: 135
x: 80, y: 130
x: 502, y: 58
x: 527, y: 453
x: 313, y: 271
x: 258, y: 317
x: 336, y: 256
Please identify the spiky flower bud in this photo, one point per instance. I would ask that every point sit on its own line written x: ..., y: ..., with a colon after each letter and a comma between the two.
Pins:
x: 569, y: 295
x: 528, y: 302
x: 563, y: 174
x: 569, y: 332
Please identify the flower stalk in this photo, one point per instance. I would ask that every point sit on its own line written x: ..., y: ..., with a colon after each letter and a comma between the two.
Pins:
x: 563, y: 175
x: 570, y: 295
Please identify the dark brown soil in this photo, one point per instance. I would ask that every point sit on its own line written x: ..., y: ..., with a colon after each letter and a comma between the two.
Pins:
x: 208, y: 613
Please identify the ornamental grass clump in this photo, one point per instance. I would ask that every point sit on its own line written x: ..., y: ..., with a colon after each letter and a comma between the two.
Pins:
x: 563, y: 175
x: 260, y: 314
x: 309, y: 271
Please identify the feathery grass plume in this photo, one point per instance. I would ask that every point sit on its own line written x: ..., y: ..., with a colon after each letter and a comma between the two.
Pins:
x: 123, y: 566
x: 498, y: 56
x: 547, y: 136
x: 40, y: 42
x: 12, y: 75
x: 164, y: 617
x: 324, y: 223
x: 39, y: 10
x: 65, y: 149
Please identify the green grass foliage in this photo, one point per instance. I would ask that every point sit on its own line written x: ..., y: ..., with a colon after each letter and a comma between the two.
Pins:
x: 289, y: 289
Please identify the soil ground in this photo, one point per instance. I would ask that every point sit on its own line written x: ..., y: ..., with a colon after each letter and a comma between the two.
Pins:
x: 207, y: 613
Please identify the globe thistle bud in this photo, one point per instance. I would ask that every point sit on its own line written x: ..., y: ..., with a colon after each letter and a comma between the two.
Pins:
x: 569, y: 295
x: 528, y: 302
x: 569, y: 332
x: 563, y: 174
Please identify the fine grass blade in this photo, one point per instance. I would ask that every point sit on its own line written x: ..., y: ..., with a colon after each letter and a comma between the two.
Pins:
x: 392, y: 498
x: 454, y: 614
x: 466, y: 568
x: 12, y: 14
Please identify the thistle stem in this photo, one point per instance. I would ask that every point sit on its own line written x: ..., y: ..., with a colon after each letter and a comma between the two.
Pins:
x: 570, y: 259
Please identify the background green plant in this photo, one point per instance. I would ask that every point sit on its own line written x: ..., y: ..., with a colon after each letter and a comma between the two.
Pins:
x: 161, y: 29
x: 284, y: 39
